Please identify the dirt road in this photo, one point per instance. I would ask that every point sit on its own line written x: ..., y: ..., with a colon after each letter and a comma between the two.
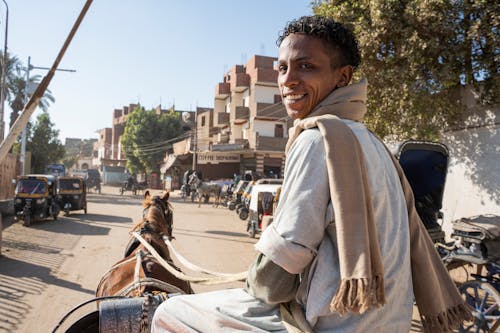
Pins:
x: 49, y: 268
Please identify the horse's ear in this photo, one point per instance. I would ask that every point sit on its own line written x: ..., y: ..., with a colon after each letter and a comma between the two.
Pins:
x: 165, y: 196
x: 146, y: 194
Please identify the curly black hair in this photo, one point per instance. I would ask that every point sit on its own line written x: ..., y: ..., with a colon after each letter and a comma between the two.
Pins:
x: 335, y: 35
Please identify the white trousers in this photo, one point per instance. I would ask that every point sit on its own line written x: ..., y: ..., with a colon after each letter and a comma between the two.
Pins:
x: 225, y: 311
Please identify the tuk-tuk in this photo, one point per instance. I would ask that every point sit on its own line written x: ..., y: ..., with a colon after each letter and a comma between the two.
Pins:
x: 242, y: 209
x: 261, y: 205
x: 35, y: 198
x: 72, y: 194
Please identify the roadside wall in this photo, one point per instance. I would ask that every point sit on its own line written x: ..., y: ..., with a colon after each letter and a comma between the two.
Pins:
x: 8, y: 171
x: 473, y: 179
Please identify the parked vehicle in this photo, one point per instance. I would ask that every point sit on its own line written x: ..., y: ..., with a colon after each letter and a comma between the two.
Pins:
x: 57, y: 170
x: 72, y: 194
x: 35, y: 198
x: 94, y: 180
x: 260, y: 205
x: 242, y: 207
x: 237, y: 192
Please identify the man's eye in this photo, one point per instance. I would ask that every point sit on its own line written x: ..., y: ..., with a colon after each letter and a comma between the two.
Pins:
x: 282, y: 68
x: 306, y: 66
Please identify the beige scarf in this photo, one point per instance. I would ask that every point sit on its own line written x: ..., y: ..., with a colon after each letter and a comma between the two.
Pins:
x: 362, y: 277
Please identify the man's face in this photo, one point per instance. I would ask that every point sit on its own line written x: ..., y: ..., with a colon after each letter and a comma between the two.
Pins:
x: 305, y: 74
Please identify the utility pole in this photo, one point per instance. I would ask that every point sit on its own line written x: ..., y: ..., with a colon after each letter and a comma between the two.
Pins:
x: 22, y: 158
x: 3, y: 84
x: 195, y: 138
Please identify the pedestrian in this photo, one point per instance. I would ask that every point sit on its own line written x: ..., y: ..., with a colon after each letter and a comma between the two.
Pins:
x: 346, y: 251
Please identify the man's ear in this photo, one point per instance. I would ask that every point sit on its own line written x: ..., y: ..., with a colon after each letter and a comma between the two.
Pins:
x: 345, y: 76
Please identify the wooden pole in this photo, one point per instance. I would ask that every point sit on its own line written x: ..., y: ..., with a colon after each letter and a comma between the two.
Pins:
x: 33, y: 102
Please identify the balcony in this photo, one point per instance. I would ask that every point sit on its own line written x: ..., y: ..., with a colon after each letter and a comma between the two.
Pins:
x: 241, y: 82
x: 267, y: 75
x: 222, y: 90
x: 269, y: 143
x: 271, y: 110
x: 240, y: 144
x: 222, y: 138
x: 221, y: 119
x: 241, y: 113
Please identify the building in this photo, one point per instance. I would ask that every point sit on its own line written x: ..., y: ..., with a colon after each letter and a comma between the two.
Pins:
x: 247, y: 129
x: 108, y: 154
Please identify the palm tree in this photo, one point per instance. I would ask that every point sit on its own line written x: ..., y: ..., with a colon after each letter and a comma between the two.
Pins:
x: 17, y: 90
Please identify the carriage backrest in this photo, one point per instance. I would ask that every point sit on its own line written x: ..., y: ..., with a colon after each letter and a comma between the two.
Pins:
x: 425, y: 165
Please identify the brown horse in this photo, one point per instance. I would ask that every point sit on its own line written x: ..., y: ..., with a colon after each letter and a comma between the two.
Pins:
x: 140, y: 273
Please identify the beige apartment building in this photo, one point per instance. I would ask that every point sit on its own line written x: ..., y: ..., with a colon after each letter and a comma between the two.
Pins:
x: 247, y: 129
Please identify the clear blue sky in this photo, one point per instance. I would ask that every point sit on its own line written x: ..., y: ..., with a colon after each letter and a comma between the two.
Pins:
x: 151, y: 51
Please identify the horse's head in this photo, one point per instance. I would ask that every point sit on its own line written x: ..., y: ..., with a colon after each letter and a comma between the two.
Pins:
x: 158, y: 213
x: 194, y: 180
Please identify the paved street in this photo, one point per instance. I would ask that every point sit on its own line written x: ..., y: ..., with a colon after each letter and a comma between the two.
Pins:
x: 51, y: 267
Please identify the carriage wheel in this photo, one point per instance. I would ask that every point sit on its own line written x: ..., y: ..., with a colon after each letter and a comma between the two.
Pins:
x: 484, y: 302
x: 232, y: 206
x: 87, y: 324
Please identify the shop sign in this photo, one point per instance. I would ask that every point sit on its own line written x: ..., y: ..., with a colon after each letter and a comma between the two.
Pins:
x: 216, y: 158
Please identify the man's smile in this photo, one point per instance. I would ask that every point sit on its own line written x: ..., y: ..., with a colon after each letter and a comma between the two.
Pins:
x: 293, y: 98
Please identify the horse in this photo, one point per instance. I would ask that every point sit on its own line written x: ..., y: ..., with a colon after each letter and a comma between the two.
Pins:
x: 140, y: 273
x: 205, y: 189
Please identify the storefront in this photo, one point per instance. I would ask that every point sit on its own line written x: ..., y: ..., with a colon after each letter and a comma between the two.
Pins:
x: 218, y: 165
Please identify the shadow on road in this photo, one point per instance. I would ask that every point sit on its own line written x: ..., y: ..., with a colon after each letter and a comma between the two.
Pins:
x: 203, y: 234
x: 227, y: 233
x: 115, y: 199
x: 19, y: 280
x: 97, y: 218
x: 71, y: 226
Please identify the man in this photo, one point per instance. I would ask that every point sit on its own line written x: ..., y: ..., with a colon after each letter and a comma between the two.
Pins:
x: 337, y: 256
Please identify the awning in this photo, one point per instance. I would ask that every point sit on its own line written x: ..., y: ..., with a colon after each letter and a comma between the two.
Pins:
x: 168, y: 163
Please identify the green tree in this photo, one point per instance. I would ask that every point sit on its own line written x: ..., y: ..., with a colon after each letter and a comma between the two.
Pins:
x: 417, y: 55
x: 145, y: 138
x: 44, y: 144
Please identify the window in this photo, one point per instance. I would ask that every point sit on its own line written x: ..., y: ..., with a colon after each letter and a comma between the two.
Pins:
x: 202, y: 121
x: 278, y: 130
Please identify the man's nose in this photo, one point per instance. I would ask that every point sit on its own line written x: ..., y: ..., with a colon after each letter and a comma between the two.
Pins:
x: 289, y: 79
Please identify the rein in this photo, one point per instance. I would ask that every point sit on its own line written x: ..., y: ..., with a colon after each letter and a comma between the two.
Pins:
x: 218, y: 278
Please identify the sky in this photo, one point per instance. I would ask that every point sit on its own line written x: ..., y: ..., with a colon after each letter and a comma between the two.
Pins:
x: 148, y: 51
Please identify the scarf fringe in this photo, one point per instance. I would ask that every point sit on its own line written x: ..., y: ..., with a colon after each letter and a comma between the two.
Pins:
x: 358, y: 295
x: 446, y: 321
